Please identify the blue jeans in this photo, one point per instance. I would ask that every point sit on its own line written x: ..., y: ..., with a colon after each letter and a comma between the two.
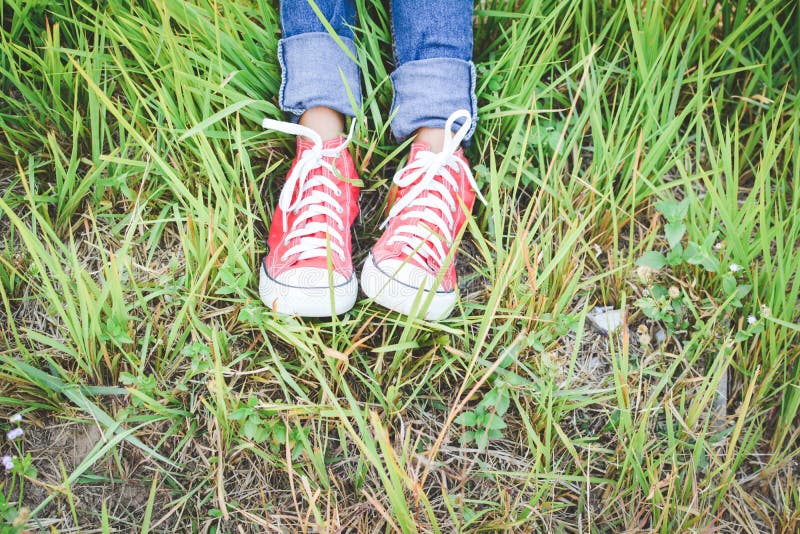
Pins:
x: 433, y: 77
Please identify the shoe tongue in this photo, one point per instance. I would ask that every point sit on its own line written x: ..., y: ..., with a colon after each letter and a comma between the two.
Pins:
x: 416, y: 148
x: 420, y: 146
x: 336, y: 142
x: 303, y: 143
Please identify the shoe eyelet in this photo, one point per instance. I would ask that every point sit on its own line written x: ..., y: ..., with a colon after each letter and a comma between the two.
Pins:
x: 340, y: 209
x: 455, y: 189
x: 338, y: 192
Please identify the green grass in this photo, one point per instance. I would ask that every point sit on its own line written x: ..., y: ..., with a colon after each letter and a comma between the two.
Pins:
x: 159, y: 394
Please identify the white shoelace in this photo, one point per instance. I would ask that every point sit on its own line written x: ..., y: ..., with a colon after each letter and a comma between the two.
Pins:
x: 323, y: 201
x: 432, y: 236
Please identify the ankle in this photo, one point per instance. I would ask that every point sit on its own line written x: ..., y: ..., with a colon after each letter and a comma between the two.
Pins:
x: 328, y: 123
x: 434, y: 137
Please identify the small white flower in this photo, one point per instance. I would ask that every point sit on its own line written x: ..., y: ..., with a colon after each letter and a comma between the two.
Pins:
x: 8, y: 462
x: 751, y: 319
x: 14, y: 433
x: 645, y: 293
x: 717, y: 246
x: 16, y: 418
x: 735, y: 268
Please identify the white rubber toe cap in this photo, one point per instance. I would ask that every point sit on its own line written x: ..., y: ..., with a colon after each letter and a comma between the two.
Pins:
x: 307, y: 292
x: 406, y: 288
x: 310, y: 278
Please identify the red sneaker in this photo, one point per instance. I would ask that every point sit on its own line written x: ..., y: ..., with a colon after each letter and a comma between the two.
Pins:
x: 411, y: 269
x: 308, y: 270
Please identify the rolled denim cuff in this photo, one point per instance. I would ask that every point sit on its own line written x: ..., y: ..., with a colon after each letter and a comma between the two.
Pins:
x: 428, y: 91
x: 316, y: 71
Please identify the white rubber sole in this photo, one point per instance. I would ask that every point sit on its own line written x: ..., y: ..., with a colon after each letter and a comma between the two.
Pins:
x: 307, y: 301
x: 403, y: 298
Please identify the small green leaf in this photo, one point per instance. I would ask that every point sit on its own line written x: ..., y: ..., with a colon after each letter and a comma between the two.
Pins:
x: 741, y: 335
x: 743, y: 290
x: 693, y: 253
x: 490, y: 399
x: 675, y: 256
x: 239, y: 414
x: 674, y: 233
x: 660, y: 292
x: 648, y: 307
x: 261, y: 434
x: 467, y: 418
x: 553, y: 137
x: 495, y: 433
x: 482, y: 440
x: 536, y: 344
x: 728, y: 284
x: 251, y: 428
x: 296, y: 450
x: 653, y: 260
x: 711, y: 264
x: 127, y: 379
x: 495, y: 423
x: 195, y: 349
x: 503, y: 402
x: 696, y: 255
x: 279, y: 433
x: 673, y: 210
x: 467, y: 437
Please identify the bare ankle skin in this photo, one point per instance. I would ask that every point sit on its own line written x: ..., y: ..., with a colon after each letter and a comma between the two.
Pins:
x: 432, y: 136
x: 328, y: 123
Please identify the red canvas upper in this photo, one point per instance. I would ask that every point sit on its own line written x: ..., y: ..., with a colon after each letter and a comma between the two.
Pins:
x: 465, y: 198
x: 346, y: 180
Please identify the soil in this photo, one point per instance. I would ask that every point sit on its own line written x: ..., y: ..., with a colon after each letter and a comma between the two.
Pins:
x: 60, y: 448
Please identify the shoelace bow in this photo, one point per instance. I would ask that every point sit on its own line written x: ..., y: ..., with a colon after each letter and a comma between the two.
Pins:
x: 432, y: 234
x: 320, y: 201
